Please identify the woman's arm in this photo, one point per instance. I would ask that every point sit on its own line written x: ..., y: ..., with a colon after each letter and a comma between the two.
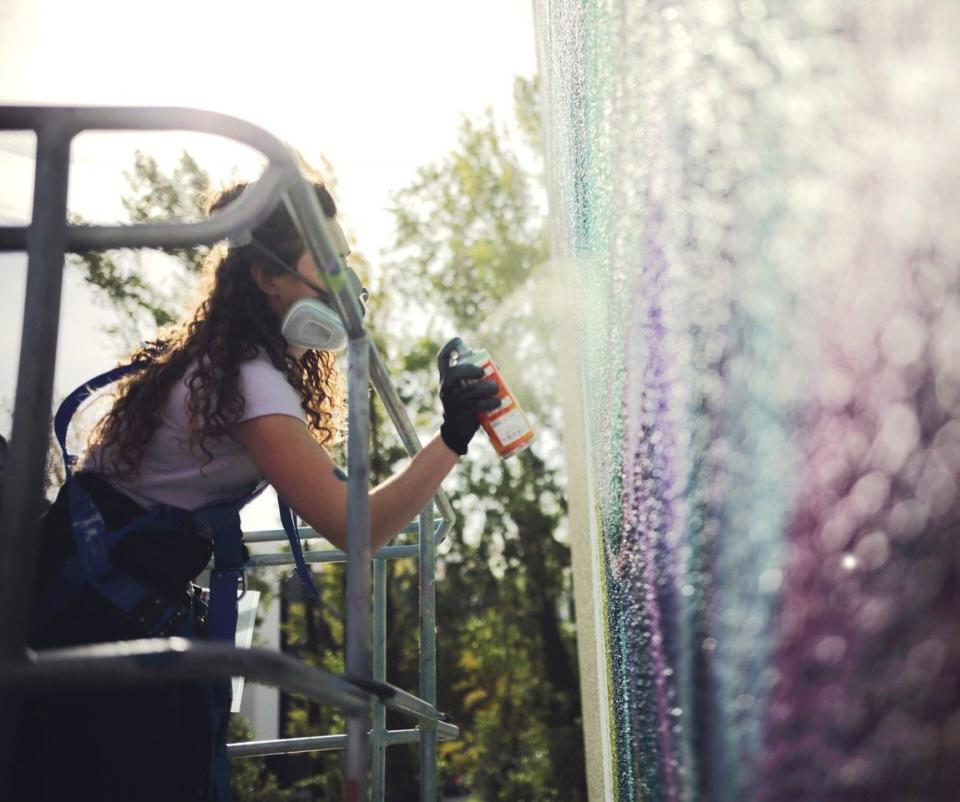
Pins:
x: 306, y: 478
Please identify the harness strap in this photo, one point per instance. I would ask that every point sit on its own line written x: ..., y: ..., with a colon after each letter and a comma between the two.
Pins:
x: 222, y: 525
x: 72, y: 402
x: 288, y: 519
x: 94, y: 542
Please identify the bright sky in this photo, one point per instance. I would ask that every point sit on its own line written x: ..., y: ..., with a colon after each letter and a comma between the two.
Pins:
x: 377, y: 87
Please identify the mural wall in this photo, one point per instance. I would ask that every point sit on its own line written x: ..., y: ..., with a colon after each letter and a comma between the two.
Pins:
x: 760, y: 202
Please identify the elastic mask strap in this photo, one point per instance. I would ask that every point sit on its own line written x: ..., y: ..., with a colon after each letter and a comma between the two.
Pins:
x: 293, y: 535
x: 363, y: 295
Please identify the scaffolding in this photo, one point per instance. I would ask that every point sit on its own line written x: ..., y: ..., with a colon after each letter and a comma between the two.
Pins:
x: 362, y: 692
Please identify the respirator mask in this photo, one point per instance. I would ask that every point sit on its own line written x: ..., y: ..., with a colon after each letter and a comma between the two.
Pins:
x: 314, y: 323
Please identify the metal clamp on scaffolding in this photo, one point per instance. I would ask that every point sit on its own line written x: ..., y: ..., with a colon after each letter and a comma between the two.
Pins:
x: 46, y: 240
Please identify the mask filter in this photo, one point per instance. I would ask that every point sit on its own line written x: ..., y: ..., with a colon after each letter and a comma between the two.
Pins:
x: 310, y: 323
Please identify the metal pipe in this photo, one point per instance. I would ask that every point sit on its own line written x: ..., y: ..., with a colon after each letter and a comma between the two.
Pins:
x: 161, y: 660
x: 330, y: 743
x: 23, y: 481
x: 378, y: 742
x: 401, y: 422
x: 400, y: 700
x: 246, y: 213
x: 164, y: 660
x: 145, y: 118
x: 270, y: 535
x: 310, y: 219
x: 428, y: 656
x: 301, y: 198
x: 328, y: 556
x: 358, y: 560
x: 153, y: 660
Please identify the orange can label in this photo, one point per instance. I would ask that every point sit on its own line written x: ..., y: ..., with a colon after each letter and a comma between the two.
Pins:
x: 508, y: 427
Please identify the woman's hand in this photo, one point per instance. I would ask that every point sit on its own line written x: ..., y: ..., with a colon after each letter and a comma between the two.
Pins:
x: 463, y: 395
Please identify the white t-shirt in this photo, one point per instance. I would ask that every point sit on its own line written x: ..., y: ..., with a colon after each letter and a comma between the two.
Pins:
x: 170, y: 474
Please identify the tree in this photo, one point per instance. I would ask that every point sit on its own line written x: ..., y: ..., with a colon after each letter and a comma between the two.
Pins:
x: 117, y: 276
x: 470, y: 239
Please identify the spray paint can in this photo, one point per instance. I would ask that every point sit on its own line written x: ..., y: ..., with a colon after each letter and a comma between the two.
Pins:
x: 507, y: 427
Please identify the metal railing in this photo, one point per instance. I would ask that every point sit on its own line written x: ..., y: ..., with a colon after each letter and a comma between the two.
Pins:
x: 46, y: 240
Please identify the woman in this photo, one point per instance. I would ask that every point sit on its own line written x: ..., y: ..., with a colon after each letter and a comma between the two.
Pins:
x: 220, y: 404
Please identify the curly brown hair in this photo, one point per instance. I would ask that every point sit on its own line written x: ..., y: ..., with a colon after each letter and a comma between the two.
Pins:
x: 229, y: 326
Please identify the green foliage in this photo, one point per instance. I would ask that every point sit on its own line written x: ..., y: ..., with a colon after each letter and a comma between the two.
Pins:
x: 526, y: 96
x: 465, y: 236
x: 470, y: 240
x: 157, y: 196
x: 119, y: 277
x: 314, y: 632
x: 125, y: 289
x: 514, y: 673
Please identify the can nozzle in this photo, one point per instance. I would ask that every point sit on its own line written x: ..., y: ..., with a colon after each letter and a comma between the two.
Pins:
x: 456, y: 350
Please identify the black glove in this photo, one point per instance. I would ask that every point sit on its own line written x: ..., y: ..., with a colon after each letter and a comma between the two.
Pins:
x: 463, y: 395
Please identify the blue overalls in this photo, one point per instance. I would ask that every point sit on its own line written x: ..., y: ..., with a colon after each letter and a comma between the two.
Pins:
x: 153, y: 613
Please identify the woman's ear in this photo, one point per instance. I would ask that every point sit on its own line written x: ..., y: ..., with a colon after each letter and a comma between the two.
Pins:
x: 265, y: 281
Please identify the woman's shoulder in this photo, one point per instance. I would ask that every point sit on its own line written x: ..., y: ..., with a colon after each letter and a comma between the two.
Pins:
x: 261, y: 361
x: 260, y: 370
x: 266, y: 389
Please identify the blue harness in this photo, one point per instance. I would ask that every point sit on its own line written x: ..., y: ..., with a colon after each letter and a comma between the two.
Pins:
x: 152, y: 612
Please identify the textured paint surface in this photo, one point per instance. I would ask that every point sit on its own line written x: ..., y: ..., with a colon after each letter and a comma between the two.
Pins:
x: 761, y: 202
